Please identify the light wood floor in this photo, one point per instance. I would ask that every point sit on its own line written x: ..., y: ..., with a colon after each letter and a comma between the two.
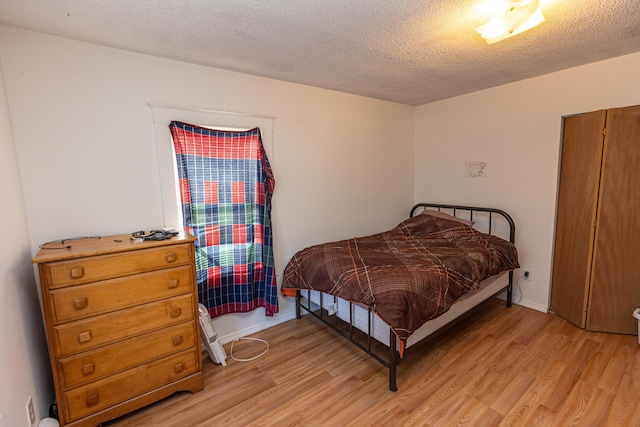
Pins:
x: 502, y: 367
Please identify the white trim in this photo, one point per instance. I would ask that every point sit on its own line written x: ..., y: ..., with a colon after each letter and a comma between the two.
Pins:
x: 156, y: 106
x: 258, y: 327
x: 525, y: 303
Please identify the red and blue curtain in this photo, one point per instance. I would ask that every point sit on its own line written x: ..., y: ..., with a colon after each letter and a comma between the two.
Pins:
x: 226, y: 185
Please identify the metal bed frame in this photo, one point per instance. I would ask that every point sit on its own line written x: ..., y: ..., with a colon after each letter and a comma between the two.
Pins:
x: 348, y: 329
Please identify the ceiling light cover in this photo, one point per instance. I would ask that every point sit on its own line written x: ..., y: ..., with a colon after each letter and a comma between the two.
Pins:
x: 520, y: 16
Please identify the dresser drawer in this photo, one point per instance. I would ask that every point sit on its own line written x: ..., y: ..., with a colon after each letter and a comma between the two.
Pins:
x: 82, y: 335
x: 99, y: 363
x: 76, y: 302
x: 91, y: 398
x: 93, y: 269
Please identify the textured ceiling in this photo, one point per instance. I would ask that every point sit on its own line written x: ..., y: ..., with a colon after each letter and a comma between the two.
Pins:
x: 406, y: 51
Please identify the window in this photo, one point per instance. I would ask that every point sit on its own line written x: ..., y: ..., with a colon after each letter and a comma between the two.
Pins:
x: 226, y: 204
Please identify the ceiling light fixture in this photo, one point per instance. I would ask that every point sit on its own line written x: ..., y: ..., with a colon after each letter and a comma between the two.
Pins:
x: 518, y: 17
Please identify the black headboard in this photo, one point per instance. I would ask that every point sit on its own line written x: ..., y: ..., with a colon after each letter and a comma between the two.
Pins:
x: 468, y: 212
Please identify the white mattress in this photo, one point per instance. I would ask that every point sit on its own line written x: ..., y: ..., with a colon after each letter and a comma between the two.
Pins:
x: 380, y: 330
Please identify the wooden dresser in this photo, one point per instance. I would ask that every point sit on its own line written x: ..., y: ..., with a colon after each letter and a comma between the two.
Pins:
x: 122, y: 326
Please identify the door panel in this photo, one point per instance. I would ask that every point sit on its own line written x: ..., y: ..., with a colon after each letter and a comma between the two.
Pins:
x: 615, y: 283
x: 577, y: 202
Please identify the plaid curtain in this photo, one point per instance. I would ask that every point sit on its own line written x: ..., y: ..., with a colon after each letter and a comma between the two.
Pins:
x: 226, y: 185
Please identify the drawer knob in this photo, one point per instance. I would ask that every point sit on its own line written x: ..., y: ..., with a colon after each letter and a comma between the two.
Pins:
x: 175, y: 312
x: 77, y: 272
x: 80, y: 303
x: 173, y: 283
x: 179, y: 367
x: 92, y: 399
x: 88, y: 369
x: 177, y: 340
x: 171, y: 257
x: 84, y: 336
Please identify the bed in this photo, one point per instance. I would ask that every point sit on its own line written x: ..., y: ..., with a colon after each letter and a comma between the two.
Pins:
x: 388, y: 291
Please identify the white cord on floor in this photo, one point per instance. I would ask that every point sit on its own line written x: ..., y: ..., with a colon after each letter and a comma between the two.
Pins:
x: 248, y: 339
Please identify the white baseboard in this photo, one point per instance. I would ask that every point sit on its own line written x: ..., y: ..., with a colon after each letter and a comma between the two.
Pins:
x: 284, y: 317
x: 533, y: 306
x: 280, y: 318
x: 525, y: 303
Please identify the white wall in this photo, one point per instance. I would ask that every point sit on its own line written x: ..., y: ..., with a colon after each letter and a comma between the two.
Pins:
x: 85, y: 140
x: 516, y: 128
x: 24, y: 361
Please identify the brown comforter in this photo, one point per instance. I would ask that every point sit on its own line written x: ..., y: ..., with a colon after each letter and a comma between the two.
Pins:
x: 407, y: 275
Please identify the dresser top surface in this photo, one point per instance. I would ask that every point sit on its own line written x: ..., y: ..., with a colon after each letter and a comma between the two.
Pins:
x: 64, y: 249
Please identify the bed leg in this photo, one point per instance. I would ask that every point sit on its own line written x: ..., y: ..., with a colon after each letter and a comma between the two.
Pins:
x: 392, y: 361
x: 298, y: 298
x: 510, y: 290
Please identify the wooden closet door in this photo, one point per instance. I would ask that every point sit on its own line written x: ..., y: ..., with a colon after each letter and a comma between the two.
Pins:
x: 577, y: 202
x: 615, y: 283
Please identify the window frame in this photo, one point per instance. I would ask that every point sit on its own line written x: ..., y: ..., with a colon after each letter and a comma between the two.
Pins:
x: 165, y: 152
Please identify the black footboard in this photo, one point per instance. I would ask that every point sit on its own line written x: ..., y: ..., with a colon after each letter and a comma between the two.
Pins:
x: 487, y: 220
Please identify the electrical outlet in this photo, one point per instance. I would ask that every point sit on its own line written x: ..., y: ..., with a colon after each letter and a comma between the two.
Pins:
x: 527, y: 275
x: 31, y: 414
